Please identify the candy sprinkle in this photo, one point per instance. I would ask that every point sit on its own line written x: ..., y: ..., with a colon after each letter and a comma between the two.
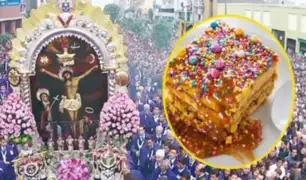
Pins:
x: 221, y: 62
x: 214, y: 25
x: 193, y: 60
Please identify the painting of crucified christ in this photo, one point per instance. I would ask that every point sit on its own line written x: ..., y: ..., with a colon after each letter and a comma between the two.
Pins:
x: 68, y: 68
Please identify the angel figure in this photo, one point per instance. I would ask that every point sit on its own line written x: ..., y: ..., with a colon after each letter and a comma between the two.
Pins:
x: 81, y: 142
x: 70, y: 143
x: 50, y: 144
x: 91, y: 143
x: 60, y: 144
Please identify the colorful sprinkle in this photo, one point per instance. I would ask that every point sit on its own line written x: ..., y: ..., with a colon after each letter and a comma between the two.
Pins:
x: 239, y: 32
x: 214, y: 25
x: 219, y: 64
x: 221, y: 59
x: 216, y: 48
x: 193, y: 60
x: 240, y: 53
x: 254, y: 39
x: 214, y: 73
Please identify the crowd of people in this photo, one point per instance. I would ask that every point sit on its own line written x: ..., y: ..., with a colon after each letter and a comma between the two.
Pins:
x: 156, y: 153
x: 5, y: 88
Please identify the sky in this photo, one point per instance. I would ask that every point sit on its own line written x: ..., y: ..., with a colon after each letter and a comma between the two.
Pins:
x: 101, y: 3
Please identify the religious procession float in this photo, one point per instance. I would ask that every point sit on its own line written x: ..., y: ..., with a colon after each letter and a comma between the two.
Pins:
x: 69, y: 115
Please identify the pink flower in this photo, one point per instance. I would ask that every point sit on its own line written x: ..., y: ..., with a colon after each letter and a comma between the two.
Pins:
x: 72, y: 169
x: 17, y: 134
x: 118, y: 113
x: 17, y: 115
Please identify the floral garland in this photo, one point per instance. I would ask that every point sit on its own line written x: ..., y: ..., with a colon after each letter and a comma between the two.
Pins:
x: 119, y: 117
x: 16, y: 119
x: 72, y: 169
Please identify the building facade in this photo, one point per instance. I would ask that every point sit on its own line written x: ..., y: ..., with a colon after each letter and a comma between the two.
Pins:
x: 199, y: 10
x: 10, y: 15
x: 287, y: 22
x: 191, y: 11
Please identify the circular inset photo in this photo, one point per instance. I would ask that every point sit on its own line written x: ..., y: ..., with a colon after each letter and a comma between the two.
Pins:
x: 228, y: 92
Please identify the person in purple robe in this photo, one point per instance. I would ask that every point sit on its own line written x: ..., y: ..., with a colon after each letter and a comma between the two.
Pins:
x: 8, y: 152
x: 294, y: 143
x: 147, y: 157
x: 158, y: 136
x: 184, y: 154
x: 182, y: 167
x: 132, y: 174
x: 152, y: 105
x: 153, y: 123
x: 138, y: 141
x: 162, y: 122
x: 246, y: 174
x: 163, y: 170
x: 158, y: 101
x: 169, y: 137
x: 173, y: 153
x: 4, y: 90
x: 166, y: 148
x: 156, y: 114
x: 273, y: 156
x: 146, y: 119
x: 159, y: 156
x: 192, y: 166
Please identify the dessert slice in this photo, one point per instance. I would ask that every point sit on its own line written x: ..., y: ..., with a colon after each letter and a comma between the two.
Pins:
x: 219, y: 80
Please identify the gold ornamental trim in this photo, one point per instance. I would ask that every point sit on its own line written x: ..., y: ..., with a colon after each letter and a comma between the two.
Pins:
x: 32, y: 27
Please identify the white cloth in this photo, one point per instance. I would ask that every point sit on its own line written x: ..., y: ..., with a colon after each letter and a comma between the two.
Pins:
x: 3, y: 153
x: 71, y: 104
x: 274, y: 167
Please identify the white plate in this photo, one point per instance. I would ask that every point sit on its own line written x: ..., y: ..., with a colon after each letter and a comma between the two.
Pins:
x: 279, y: 117
x: 281, y: 107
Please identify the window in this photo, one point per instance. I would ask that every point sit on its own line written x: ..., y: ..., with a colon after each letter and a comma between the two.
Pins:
x: 248, y: 13
x: 303, y: 24
x: 211, y: 3
x: 266, y: 18
x: 188, y: 16
x: 181, y: 15
x: 292, y: 22
x: 171, y: 10
x: 7, y: 26
x: 257, y: 16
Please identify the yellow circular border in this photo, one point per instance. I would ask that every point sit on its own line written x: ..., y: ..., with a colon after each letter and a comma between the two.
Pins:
x: 176, y: 47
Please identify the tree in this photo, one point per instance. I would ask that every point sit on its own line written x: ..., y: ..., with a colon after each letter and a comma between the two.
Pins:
x: 4, y: 38
x: 135, y: 25
x: 150, y: 15
x: 127, y: 23
x: 161, y: 34
x: 138, y: 27
x: 130, y: 10
x: 113, y: 10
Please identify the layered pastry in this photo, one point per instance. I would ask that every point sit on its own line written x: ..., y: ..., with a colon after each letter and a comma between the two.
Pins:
x: 213, y: 86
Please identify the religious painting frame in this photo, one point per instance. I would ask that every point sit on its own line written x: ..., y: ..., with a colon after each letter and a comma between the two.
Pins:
x: 79, y: 23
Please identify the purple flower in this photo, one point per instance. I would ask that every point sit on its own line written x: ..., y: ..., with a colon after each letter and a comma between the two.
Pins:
x: 16, y: 116
x: 119, y: 113
x: 72, y: 169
